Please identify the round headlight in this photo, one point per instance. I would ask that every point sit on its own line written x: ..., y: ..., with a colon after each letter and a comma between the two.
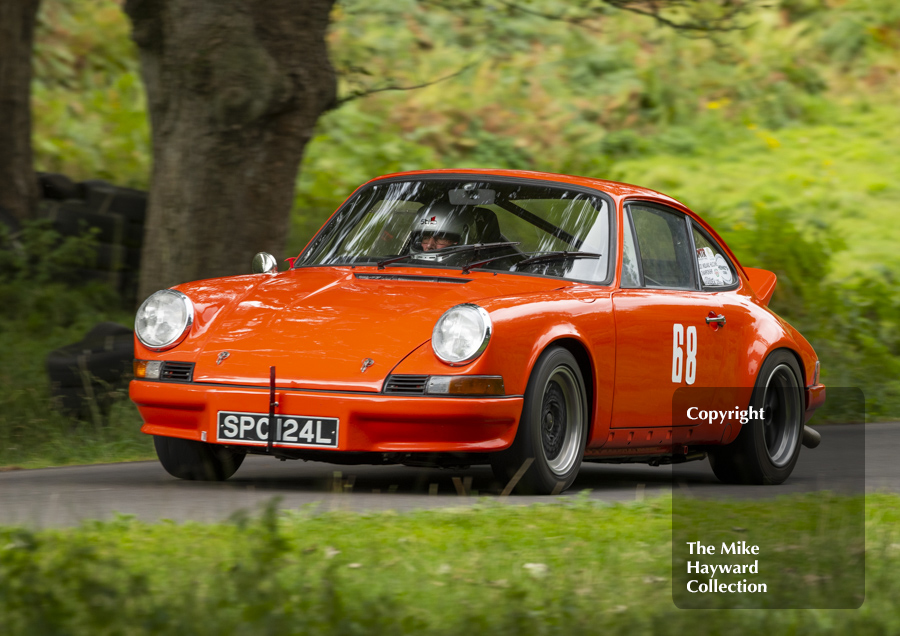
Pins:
x: 462, y: 334
x: 164, y: 319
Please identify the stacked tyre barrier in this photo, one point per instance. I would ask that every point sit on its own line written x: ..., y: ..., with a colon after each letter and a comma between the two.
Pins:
x: 88, y: 376
x: 116, y: 213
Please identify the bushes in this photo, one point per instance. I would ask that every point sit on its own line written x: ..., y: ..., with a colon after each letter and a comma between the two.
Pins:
x: 453, y: 572
x: 39, y: 271
x: 853, y: 322
x: 42, y: 309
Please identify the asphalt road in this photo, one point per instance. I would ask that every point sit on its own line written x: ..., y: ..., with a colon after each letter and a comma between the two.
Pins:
x: 851, y: 458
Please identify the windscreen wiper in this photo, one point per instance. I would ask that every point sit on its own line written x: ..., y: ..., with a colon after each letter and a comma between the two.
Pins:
x: 473, y: 264
x: 453, y: 249
x: 556, y: 256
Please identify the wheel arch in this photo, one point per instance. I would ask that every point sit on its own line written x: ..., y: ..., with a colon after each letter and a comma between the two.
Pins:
x: 585, y: 365
x: 731, y: 432
x: 783, y: 346
x: 802, y: 367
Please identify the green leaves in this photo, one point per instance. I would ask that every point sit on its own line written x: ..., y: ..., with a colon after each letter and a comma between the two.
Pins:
x: 88, y: 103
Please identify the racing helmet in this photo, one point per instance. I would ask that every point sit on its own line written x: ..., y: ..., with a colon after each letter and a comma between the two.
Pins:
x: 456, y: 223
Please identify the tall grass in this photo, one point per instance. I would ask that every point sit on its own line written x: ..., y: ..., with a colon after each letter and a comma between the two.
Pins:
x: 549, y: 569
x: 42, y: 309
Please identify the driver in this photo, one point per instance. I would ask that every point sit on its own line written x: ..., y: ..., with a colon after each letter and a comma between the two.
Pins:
x: 441, y: 225
x: 432, y: 241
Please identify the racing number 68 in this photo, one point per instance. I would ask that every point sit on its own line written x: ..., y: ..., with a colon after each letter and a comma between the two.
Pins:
x: 678, y: 358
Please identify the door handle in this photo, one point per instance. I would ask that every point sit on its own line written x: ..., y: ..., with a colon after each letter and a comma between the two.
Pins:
x: 719, y: 318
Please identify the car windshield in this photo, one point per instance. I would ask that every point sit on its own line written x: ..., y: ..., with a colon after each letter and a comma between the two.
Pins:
x: 505, y: 224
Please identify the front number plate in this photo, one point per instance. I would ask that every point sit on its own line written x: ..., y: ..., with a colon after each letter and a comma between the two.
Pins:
x: 290, y: 430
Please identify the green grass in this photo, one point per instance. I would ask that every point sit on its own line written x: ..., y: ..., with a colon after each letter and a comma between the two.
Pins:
x: 32, y: 433
x: 575, y: 568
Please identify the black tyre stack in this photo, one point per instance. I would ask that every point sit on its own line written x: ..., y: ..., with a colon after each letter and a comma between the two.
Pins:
x: 117, y: 213
x: 86, y: 377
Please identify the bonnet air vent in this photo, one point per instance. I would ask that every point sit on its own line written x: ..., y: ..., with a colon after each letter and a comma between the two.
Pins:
x: 177, y: 371
x: 406, y: 384
x: 413, y: 278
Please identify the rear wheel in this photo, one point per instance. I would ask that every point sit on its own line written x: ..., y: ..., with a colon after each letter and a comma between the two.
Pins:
x: 188, y: 459
x: 552, y: 430
x: 766, y: 450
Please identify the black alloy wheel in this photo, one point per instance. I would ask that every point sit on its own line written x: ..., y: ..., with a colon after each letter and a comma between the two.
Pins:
x: 553, y: 428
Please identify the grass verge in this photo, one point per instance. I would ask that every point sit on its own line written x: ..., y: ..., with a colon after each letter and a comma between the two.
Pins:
x: 35, y: 320
x: 569, y: 568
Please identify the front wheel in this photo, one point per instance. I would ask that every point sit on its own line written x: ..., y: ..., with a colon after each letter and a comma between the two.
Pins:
x: 552, y: 430
x: 766, y: 449
x: 189, y: 459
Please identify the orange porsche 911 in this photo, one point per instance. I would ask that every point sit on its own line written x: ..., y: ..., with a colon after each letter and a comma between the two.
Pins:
x: 524, y: 320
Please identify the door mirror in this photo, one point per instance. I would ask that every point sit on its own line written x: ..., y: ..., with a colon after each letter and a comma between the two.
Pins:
x: 264, y: 263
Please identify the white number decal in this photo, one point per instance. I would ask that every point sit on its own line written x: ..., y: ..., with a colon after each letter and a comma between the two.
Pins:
x: 690, y: 365
x: 677, y: 353
x: 678, y: 358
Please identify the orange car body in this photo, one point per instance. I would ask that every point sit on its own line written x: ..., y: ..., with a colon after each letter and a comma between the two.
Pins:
x: 318, y: 324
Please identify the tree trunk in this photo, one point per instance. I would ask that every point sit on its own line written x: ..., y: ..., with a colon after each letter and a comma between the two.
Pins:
x: 18, y: 183
x: 234, y: 89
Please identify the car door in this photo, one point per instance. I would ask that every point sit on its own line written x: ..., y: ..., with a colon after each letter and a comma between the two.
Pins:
x: 663, y: 341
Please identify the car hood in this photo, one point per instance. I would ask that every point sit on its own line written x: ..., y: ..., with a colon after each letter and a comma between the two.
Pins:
x: 316, y: 326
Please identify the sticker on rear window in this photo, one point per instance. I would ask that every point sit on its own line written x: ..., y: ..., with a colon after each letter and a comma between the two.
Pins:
x: 714, y: 270
x: 724, y: 270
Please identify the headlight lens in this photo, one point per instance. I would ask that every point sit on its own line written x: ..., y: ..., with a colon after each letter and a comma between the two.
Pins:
x: 462, y: 334
x: 164, y: 319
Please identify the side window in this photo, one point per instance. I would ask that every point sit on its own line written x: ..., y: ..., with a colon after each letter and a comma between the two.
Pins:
x: 664, y: 247
x: 715, y: 268
x: 631, y: 275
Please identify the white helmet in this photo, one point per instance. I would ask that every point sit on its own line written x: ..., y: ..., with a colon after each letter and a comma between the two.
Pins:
x: 461, y: 224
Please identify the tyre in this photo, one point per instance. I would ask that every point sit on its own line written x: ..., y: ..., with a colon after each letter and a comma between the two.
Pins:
x: 104, y: 197
x: 105, y: 353
x: 69, y: 367
x: 75, y: 403
x: 552, y: 430
x: 103, y: 331
x: 134, y: 236
x: 766, y: 450
x: 89, y: 373
x: 56, y: 186
x: 75, y: 218
x: 187, y: 459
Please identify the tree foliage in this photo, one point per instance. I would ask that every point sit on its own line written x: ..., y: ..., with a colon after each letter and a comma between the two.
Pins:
x: 770, y: 128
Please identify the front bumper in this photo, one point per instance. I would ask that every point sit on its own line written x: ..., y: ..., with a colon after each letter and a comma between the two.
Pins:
x: 369, y: 422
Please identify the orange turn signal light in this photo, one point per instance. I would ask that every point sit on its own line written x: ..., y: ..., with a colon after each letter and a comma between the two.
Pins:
x: 147, y: 369
x: 465, y: 385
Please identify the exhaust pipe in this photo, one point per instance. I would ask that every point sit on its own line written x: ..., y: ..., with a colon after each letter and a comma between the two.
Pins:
x: 811, y: 438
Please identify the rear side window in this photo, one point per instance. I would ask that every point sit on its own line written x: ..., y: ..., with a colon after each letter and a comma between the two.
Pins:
x: 714, y: 266
x: 664, y: 247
